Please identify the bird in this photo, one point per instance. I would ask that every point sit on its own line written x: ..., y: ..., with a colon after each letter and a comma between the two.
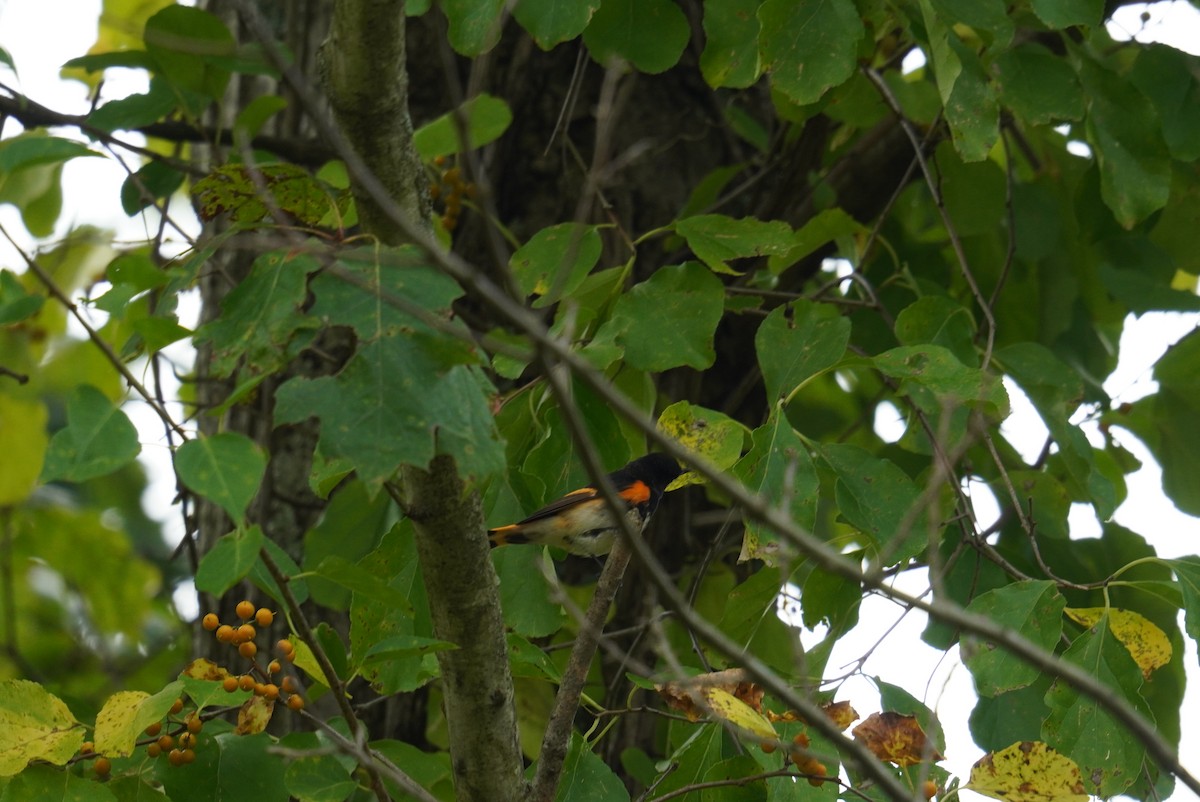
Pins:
x: 582, y: 523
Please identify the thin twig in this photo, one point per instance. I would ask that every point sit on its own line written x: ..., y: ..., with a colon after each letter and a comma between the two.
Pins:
x: 106, y: 349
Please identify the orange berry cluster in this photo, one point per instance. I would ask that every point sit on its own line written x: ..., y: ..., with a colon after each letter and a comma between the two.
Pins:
x: 449, y: 189
x: 243, y: 636
x: 178, y: 744
x: 806, y: 763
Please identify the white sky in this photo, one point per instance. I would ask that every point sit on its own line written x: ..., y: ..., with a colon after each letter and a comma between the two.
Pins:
x: 39, y: 49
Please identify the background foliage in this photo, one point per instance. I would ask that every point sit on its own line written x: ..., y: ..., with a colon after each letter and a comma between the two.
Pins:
x: 731, y: 227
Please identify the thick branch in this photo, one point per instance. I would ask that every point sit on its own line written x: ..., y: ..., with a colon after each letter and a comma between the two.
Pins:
x: 34, y: 115
x: 363, y: 68
x: 465, y: 607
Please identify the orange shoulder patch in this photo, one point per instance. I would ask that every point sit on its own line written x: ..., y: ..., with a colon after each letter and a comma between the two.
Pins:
x: 636, y: 493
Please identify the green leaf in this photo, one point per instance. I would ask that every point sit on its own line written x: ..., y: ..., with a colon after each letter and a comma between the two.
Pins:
x: 967, y: 95
x: 484, y: 117
x: 445, y: 410
x: 669, y: 319
x: 402, y: 646
x: 260, y: 315
x: 229, y: 560
x: 1166, y: 76
x: 23, y: 441
x: 238, y: 190
x: 1109, y: 756
x: 939, y: 320
x: 137, y: 271
x: 1187, y: 571
x: 430, y: 770
x: 1037, y: 85
x: 474, y: 24
x: 324, y: 776
x: 797, y: 342
x: 342, y: 572
x: 937, y: 369
x: 1175, y: 413
x: 826, y: 226
x: 1135, y: 167
x: 997, y: 722
x: 1045, y: 495
x: 1034, y: 610
x: 974, y: 194
x: 809, y: 47
x: 7, y: 60
x: 352, y: 524
x: 225, y: 468
x: 137, y: 110
x: 587, y: 778
x: 555, y: 261
x: 16, y: 303
x: 97, y: 440
x: 716, y: 239
x: 358, y: 292
x: 879, y: 500
x: 34, y: 725
x: 1056, y: 391
x: 552, y: 22
x: 777, y: 467
x: 989, y: 19
x: 33, y: 148
x: 187, y: 45
x: 525, y: 596
x: 1068, y: 13
x: 395, y: 562
x: 228, y: 767
x: 98, y: 62
x: 649, y: 34
x: 730, y: 57
x: 153, y: 181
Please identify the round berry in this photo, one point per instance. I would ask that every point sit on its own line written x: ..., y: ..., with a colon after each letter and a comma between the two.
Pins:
x: 271, y: 691
x: 274, y: 668
x: 244, y: 610
x: 102, y: 766
x: 767, y: 747
x: 86, y: 748
x: 165, y: 742
x: 260, y: 689
x: 294, y: 702
x: 245, y: 633
x: 177, y: 706
x: 246, y: 683
x: 189, y: 756
x: 194, y: 724
x: 176, y: 757
x: 225, y: 633
x: 247, y: 649
x: 929, y: 789
x: 818, y: 772
x: 154, y: 729
x: 153, y: 751
x: 264, y: 617
x: 288, y: 685
x: 210, y: 622
x: 230, y: 684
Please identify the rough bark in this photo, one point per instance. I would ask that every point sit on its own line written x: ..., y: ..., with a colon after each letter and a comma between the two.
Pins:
x: 463, y: 603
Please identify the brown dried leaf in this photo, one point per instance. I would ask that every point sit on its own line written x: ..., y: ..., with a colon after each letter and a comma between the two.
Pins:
x: 206, y: 670
x: 896, y: 738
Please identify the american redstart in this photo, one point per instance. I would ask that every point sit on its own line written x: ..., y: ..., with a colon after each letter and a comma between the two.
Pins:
x: 582, y: 523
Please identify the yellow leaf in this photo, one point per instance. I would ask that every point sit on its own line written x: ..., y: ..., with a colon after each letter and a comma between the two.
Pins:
x: 1147, y: 644
x: 34, y: 725
x: 255, y: 715
x: 716, y: 437
x: 115, y: 723
x: 1027, y: 771
x: 126, y: 715
x: 728, y: 707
